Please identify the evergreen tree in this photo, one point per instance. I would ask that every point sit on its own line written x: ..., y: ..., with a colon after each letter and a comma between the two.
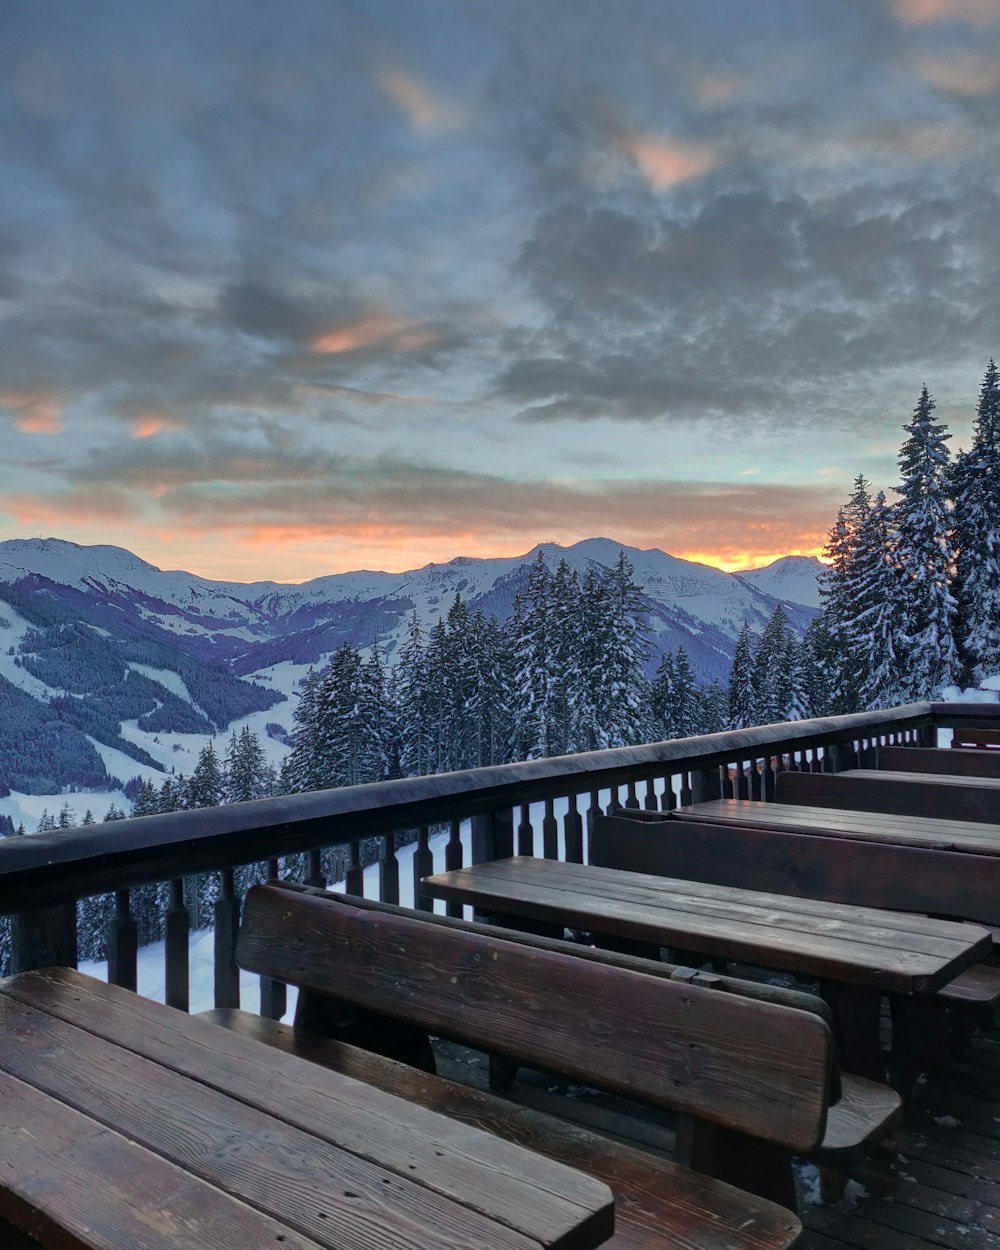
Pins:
x: 772, y: 669
x: 714, y: 708
x: 340, y: 738
x: 412, y: 701
x: 821, y: 666
x: 244, y: 767
x: 742, y: 700
x: 300, y: 768
x: 976, y: 494
x: 876, y: 626
x: 925, y: 644
x: 533, y: 646
x: 207, y: 785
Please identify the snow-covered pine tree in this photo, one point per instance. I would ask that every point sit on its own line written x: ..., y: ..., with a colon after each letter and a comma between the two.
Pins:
x: 976, y: 495
x: 532, y: 646
x: 821, y: 667
x: 339, y: 736
x: 244, y: 767
x: 772, y: 669
x: 876, y: 628
x: 413, y: 703
x: 299, y: 771
x: 662, y: 696
x: 623, y: 684
x: 839, y: 593
x: 925, y: 558
x: 742, y: 700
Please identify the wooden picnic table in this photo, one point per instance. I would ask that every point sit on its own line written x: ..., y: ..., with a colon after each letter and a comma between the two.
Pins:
x: 857, y: 953
x: 890, y: 951
x: 127, y: 1123
x: 928, y: 832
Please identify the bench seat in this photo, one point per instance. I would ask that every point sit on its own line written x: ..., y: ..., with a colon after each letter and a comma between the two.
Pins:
x: 658, y: 1205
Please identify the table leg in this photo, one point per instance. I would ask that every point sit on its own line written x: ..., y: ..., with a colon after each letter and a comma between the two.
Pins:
x: 856, y: 1013
x: 920, y: 1040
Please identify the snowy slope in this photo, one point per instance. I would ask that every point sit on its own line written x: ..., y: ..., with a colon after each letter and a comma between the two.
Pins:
x: 792, y: 578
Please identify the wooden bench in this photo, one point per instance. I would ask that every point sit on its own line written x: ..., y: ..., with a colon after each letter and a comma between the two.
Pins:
x: 976, y: 739
x: 913, y: 794
x: 937, y: 760
x: 836, y: 870
x: 749, y: 1079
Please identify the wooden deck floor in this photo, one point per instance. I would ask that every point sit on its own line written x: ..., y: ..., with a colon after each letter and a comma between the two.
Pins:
x: 942, y: 1189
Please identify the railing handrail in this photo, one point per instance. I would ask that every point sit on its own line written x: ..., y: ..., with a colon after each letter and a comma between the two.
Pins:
x: 44, y: 869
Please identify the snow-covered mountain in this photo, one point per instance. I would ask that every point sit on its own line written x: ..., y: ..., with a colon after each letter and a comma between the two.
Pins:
x: 793, y: 579
x: 182, y: 657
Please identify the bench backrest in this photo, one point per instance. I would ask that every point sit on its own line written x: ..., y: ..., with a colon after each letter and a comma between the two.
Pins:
x: 837, y: 870
x: 888, y: 794
x: 976, y: 739
x: 937, y: 760
x: 758, y: 1067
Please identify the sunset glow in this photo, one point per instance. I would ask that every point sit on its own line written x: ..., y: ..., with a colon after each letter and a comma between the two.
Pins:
x: 290, y: 290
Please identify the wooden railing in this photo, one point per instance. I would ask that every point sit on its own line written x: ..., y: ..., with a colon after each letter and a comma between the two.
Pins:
x: 511, y: 807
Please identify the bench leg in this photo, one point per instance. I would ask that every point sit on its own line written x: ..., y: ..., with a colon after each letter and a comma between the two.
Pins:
x: 856, y: 1012
x: 746, y: 1162
x: 503, y: 1072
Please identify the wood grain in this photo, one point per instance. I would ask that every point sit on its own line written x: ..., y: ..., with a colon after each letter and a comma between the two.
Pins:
x: 851, y: 944
x: 927, y: 832
x: 71, y: 1183
x: 538, y: 1198
x: 658, y: 1203
x: 909, y: 794
x: 754, y: 1066
x: 938, y: 760
x: 335, y: 1198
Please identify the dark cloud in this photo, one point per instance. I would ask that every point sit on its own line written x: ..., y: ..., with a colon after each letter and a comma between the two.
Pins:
x: 474, y: 234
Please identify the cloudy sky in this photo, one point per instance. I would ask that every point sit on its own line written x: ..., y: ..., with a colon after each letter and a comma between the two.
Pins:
x: 288, y: 289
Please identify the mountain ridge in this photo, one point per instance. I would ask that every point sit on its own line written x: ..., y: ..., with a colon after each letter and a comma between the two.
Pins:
x: 70, y: 612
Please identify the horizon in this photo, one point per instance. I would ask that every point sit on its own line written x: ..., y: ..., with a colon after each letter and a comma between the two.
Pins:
x: 439, y: 561
x: 337, y: 286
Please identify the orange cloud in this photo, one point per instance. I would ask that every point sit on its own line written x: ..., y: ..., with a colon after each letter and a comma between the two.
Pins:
x: 389, y: 332
x: 149, y: 424
x: 969, y: 76
x: 33, y: 413
x: 69, y: 510
x: 666, y: 163
x: 924, y: 12
x: 426, y: 113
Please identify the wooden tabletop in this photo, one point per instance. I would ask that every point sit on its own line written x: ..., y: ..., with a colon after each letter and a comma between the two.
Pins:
x: 126, y: 1123
x: 891, y: 951
x: 927, y: 832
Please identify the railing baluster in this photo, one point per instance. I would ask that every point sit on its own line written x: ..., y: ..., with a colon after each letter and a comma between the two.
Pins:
x: 315, y: 875
x: 354, y: 879
x: 668, y: 799
x: 573, y: 832
x: 227, y: 927
x: 755, y: 782
x: 728, y: 791
x: 550, y: 831
x: 525, y: 832
x: 649, y: 800
x: 177, y: 923
x: 593, y: 810
x: 686, y: 795
x: 388, y: 871
x: 423, y: 866
x: 123, y: 945
x: 741, y: 787
x: 768, y: 779
x: 452, y: 860
x: 631, y: 799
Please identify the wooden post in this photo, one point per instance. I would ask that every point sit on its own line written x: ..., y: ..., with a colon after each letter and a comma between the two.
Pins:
x: 227, y: 928
x: 493, y: 835
x: 178, y: 927
x: 43, y: 938
x: 123, y: 945
x: 705, y: 785
x: 842, y: 755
